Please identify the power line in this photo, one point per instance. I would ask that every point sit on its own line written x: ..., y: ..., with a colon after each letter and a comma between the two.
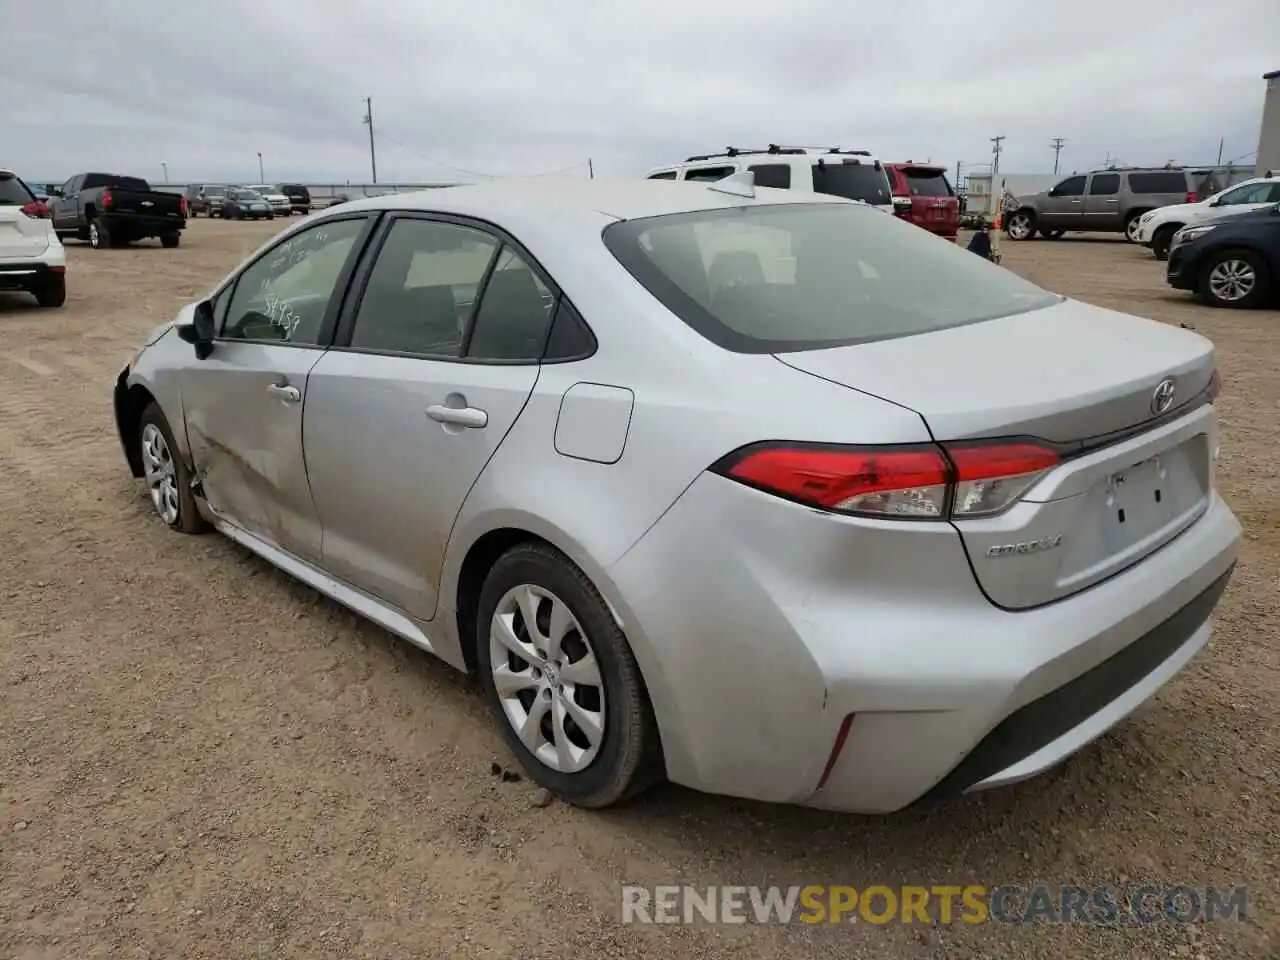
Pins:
x: 1057, y: 143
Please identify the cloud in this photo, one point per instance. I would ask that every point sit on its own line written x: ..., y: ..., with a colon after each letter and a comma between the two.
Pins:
x: 508, y: 88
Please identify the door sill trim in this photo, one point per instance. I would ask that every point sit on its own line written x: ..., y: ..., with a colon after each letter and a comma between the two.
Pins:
x: 350, y: 597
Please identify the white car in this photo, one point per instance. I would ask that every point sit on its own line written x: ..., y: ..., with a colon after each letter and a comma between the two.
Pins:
x: 32, y: 258
x: 1156, y: 229
x: 851, y: 174
x: 280, y: 205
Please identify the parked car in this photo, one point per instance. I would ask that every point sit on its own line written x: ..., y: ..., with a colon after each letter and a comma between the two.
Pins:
x: 206, y: 198
x: 1104, y: 201
x: 299, y: 197
x: 245, y: 204
x: 339, y: 198
x: 1156, y: 229
x: 1233, y: 261
x: 931, y: 203
x: 110, y: 210
x: 852, y: 174
x: 280, y: 205
x: 714, y: 461
x: 32, y: 259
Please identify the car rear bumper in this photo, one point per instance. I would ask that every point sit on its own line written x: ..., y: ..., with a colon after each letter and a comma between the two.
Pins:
x: 854, y: 665
x: 141, y: 225
x: 30, y: 274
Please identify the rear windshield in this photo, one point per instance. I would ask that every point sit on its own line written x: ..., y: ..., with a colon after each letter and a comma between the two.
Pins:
x: 928, y: 183
x: 772, y: 278
x: 1158, y: 182
x: 13, y: 192
x: 92, y: 180
x: 853, y: 181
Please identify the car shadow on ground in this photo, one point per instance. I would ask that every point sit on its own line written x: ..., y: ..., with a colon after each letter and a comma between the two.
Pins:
x: 17, y: 302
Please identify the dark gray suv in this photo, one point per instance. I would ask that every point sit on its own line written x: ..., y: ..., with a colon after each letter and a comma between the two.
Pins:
x: 1105, y: 201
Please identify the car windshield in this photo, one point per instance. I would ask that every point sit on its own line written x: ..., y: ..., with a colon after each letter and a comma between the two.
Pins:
x: 215, y: 191
x: 768, y: 278
x: 852, y: 180
x: 13, y: 192
x: 927, y: 183
x: 245, y: 195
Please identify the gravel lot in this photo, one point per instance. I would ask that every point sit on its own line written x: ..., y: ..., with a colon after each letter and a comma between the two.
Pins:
x: 202, y: 758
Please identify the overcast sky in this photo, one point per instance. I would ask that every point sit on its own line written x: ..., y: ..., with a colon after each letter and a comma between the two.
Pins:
x: 513, y: 87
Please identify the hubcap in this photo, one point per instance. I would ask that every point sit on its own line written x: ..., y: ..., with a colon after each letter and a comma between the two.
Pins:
x: 547, y: 678
x: 1019, y: 227
x: 94, y: 238
x: 1232, y: 280
x: 160, y: 472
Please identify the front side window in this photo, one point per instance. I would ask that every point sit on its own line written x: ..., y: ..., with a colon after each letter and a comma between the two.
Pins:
x: 1070, y: 187
x: 769, y: 278
x: 283, y: 296
x: 422, y: 288
x: 1249, y: 193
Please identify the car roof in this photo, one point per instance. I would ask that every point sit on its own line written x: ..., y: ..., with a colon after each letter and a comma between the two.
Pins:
x: 504, y: 200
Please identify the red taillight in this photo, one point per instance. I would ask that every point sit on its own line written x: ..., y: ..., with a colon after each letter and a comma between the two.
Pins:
x: 921, y: 482
x: 107, y: 199
x: 36, y: 210
x: 1193, y: 197
x: 182, y: 205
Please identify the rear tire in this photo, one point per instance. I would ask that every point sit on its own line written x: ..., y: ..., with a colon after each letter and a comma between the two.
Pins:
x: 99, y: 237
x: 1238, y: 279
x: 1162, y: 240
x: 1021, y: 226
x: 1052, y: 234
x: 170, y: 240
x: 594, y: 663
x: 174, y: 503
x: 53, y: 293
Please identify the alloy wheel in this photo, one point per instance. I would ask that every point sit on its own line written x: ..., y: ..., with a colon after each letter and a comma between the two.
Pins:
x: 1020, y: 226
x: 547, y: 678
x: 1232, y: 280
x: 1131, y: 229
x: 161, y: 473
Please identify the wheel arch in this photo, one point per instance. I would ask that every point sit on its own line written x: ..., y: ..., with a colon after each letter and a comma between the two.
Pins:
x: 130, y: 401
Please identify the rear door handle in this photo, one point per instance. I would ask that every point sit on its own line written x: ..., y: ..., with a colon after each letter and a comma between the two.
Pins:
x: 458, y: 416
x: 284, y: 392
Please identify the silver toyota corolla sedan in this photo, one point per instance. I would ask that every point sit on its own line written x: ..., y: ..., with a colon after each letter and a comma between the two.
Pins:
x: 769, y: 494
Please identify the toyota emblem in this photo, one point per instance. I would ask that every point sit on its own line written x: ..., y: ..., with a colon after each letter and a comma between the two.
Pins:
x: 1162, y: 399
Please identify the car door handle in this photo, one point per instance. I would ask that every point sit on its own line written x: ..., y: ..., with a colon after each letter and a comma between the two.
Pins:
x: 1076, y: 201
x: 1113, y: 201
x: 458, y: 416
x: 285, y: 392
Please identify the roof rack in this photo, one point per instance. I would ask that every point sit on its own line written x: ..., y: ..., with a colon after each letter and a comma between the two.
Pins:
x: 776, y: 149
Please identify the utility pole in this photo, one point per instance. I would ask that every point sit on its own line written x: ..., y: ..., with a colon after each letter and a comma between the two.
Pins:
x: 1057, y: 143
x: 995, y: 159
x: 166, y: 171
x: 959, y: 167
x: 368, y: 118
x: 261, y: 177
x: 1221, y: 143
x: 591, y: 169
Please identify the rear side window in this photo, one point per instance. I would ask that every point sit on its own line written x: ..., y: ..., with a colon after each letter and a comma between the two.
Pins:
x: 665, y: 175
x: 853, y: 181
x: 515, y: 312
x: 708, y: 174
x: 783, y: 277
x: 1104, y: 184
x: 1162, y: 182
x: 777, y: 175
x: 928, y: 183
x: 13, y: 192
x: 137, y: 184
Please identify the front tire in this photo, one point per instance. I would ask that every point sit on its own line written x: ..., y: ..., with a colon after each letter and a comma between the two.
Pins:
x: 1162, y: 240
x: 53, y: 293
x: 1022, y: 225
x: 166, y: 475
x: 1235, y: 278
x: 562, y: 682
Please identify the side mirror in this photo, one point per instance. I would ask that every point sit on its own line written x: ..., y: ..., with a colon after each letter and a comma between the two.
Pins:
x: 200, y: 332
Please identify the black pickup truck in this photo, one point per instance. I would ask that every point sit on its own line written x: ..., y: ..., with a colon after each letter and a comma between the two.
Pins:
x: 109, y: 210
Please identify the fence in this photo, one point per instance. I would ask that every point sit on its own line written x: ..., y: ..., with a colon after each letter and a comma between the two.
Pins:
x: 323, y: 193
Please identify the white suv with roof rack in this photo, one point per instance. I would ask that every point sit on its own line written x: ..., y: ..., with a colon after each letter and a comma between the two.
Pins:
x: 852, y: 174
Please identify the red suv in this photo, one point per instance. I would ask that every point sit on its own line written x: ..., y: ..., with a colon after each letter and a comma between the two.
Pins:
x: 930, y: 201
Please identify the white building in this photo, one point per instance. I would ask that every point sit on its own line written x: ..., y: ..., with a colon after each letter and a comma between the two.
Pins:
x: 982, y: 193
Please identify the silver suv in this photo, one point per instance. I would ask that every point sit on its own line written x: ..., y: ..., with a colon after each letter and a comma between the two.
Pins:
x: 1104, y: 201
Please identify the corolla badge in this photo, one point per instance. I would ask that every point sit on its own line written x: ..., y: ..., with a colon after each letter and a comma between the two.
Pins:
x: 1162, y: 399
x: 1022, y: 549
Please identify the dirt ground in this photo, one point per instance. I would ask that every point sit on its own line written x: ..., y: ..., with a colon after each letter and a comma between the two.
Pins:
x: 200, y: 758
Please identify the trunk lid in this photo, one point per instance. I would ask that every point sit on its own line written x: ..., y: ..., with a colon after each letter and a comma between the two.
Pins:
x: 1080, y: 377
x: 21, y: 237
x: 150, y: 203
